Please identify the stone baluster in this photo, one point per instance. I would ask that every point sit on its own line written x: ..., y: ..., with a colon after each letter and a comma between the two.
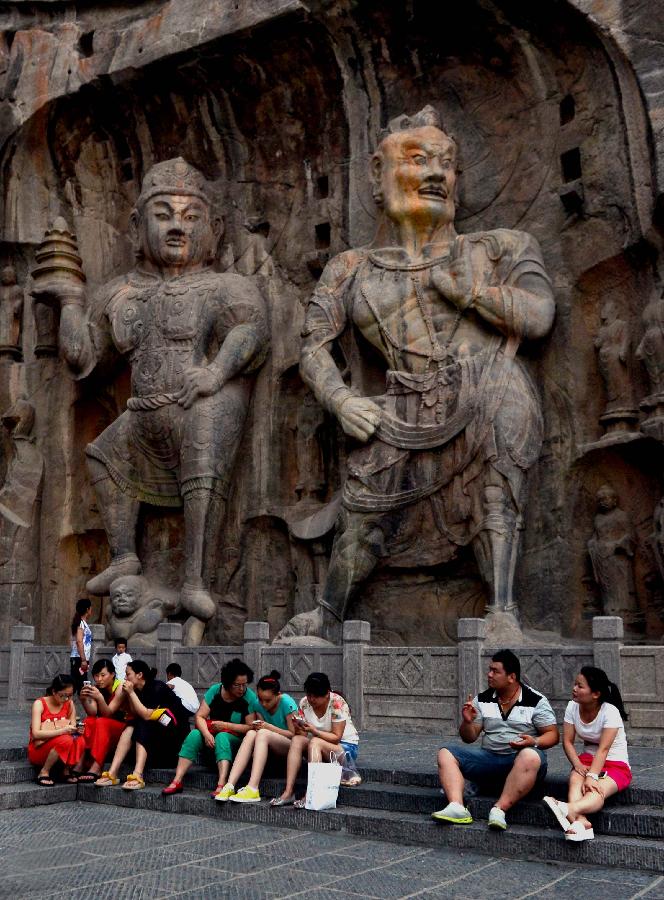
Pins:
x: 22, y: 636
x: 356, y: 636
x: 169, y: 645
x: 471, y: 634
x: 256, y: 636
x: 607, y: 641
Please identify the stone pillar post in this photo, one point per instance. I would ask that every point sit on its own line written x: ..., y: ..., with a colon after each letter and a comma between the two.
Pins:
x: 256, y: 636
x: 470, y: 635
x: 22, y: 636
x: 98, y: 640
x: 607, y: 640
x: 356, y: 636
x: 169, y: 644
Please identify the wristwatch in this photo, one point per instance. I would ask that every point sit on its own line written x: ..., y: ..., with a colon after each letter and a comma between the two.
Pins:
x: 593, y: 775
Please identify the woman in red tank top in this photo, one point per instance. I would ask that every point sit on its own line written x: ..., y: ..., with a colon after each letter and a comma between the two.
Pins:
x: 54, y: 735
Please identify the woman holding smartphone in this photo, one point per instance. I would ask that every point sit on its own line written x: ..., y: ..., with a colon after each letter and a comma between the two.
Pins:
x: 55, y: 736
x: 323, y: 728
x: 596, y: 715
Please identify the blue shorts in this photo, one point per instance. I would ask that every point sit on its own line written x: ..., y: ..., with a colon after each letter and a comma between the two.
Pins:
x: 350, y: 749
x: 487, y: 766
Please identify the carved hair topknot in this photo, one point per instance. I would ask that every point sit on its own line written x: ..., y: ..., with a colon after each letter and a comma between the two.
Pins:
x: 174, y: 176
x: 426, y: 116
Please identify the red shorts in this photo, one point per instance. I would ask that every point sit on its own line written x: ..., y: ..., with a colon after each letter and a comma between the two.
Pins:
x: 620, y: 772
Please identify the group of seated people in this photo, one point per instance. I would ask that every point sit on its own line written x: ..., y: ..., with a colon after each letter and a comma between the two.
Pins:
x: 233, y: 724
x: 237, y: 726
x: 518, y: 725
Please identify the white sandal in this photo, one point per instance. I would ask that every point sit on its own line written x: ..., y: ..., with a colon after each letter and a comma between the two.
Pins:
x: 560, y: 812
x: 579, y: 832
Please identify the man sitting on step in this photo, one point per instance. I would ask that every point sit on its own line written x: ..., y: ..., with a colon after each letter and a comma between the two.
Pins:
x: 517, y: 725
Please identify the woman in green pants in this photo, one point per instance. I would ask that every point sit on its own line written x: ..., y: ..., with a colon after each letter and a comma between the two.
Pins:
x: 222, y: 720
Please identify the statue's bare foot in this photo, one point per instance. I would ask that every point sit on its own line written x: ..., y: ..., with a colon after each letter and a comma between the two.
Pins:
x: 127, y: 564
x: 306, y: 629
x: 193, y: 631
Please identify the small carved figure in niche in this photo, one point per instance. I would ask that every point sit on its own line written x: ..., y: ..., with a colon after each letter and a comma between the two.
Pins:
x: 613, y: 346
x: 446, y: 449
x: 611, y: 550
x: 651, y: 353
x: 194, y: 339
x: 11, y: 314
x: 138, y: 608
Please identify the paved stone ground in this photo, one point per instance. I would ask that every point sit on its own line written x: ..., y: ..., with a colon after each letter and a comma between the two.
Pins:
x: 80, y: 851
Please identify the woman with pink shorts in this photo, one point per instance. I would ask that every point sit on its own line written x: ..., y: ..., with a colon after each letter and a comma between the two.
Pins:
x: 596, y: 715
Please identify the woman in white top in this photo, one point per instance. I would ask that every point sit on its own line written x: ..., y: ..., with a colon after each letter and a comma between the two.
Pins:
x: 596, y: 715
x: 81, y: 644
x: 323, y: 728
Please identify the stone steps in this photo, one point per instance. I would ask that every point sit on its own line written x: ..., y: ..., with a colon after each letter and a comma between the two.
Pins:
x: 21, y: 796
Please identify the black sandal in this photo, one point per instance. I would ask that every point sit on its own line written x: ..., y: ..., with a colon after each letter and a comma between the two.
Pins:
x: 45, y: 781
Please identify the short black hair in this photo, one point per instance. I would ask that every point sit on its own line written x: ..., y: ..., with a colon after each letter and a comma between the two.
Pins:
x: 102, y: 664
x: 232, y: 669
x: 510, y: 662
x: 121, y: 641
x: 174, y: 670
x: 317, y: 684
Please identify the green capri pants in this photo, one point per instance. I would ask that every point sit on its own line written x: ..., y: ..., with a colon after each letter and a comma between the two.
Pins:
x: 225, y: 746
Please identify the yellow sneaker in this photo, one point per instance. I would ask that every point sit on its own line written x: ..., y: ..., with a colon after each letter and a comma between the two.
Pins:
x: 246, y: 795
x: 225, y: 793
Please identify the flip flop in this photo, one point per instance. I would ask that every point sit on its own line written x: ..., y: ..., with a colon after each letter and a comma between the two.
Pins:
x: 71, y: 779
x: 578, y: 832
x: 45, y: 781
x: 107, y: 780
x: 286, y: 801
x: 558, y: 811
x: 134, y: 782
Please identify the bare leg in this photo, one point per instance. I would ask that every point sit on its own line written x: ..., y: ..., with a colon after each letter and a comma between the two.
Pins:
x: 591, y: 802
x: 320, y: 750
x: 49, y: 762
x: 141, y: 759
x: 297, y: 750
x: 222, y: 768
x: 451, y: 779
x: 181, y: 770
x: 266, y: 741
x: 520, y: 780
x: 122, y: 749
x: 242, y: 757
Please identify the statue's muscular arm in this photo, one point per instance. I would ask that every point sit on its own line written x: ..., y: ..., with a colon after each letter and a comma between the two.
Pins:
x: 241, y: 346
x: 326, y: 319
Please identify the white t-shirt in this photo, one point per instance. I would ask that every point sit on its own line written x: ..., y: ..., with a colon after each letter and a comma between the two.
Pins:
x: 120, y: 661
x: 185, y: 692
x: 591, y: 732
x: 337, y: 711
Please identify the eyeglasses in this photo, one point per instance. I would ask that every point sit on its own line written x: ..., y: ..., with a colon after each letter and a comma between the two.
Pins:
x: 240, y: 685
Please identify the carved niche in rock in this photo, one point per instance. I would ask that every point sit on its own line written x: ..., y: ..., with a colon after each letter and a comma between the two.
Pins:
x: 446, y: 449
x: 11, y: 314
x: 611, y: 549
x: 194, y: 339
x: 651, y: 353
x: 613, y: 351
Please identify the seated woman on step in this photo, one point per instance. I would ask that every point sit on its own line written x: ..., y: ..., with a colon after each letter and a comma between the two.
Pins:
x: 222, y: 721
x: 55, y: 738
x: 103, y: 725
x: 596, y: 715
x: 271, y: 732
x: 323, y: 728
x: 158, y: 726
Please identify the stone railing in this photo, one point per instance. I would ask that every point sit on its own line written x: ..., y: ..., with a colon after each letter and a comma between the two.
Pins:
x: 388, y: 688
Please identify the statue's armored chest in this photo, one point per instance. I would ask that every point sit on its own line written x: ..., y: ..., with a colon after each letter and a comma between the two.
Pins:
x: 158, y: 314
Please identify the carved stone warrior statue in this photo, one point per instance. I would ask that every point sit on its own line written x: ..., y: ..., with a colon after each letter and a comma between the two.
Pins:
x: 444, y: 452
x: 193, y: 338
x: 137, y: 610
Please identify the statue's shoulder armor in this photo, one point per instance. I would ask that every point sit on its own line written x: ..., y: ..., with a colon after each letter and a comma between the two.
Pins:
x: 341, y: 269
x: 506, y: 242
x: 105, y: 295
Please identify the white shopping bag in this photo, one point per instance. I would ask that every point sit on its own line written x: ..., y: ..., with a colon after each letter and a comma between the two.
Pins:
x: 323, y: 786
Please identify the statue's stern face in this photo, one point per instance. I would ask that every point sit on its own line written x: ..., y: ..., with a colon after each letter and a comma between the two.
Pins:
x: 177, y: 232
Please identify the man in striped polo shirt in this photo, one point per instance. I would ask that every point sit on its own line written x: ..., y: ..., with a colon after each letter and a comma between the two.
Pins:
x: 517, y: 725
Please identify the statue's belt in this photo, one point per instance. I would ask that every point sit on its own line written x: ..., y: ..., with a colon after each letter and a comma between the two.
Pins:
x: 406, y: 436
